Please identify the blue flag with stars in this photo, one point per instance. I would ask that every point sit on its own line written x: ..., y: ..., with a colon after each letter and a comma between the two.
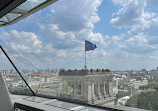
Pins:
x: 89, y: 46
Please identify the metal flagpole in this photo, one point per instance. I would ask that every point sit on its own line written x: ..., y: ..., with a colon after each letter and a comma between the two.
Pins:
x: 85, y: 57
x: 17, y: 70
x: 85, y: 61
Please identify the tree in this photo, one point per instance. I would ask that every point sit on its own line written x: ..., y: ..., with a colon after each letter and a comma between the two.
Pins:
x: 144, y: 100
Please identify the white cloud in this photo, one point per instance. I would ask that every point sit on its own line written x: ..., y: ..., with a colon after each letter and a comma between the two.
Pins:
x: 148, y: 15
x: 97, y: 53
x: 116, y: 38
x: 75, y: 15
x: 139, y: 44
x: 138, y: 39
x: 132, y: 14
x: 51, y: 34
x: 21, y: 41
x: 113, y: 42
x: 122, y: 2
x: 49, y: 49
x: 24, y: 48
x: 96, y: 37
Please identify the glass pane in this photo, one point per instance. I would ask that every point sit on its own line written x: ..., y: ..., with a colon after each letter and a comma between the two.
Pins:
x: 14, y: 82
x: 30, y: 4
x: 121, y: 56
x: 2, y: 23
x: 12, y: 16
x: 4, y: 19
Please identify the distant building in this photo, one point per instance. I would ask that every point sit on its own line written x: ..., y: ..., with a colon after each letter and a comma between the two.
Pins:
x: 123, y: 76
x: 39, y: 71
x: 43, y: 75
x: 89, y: 86
x: 47, y: 70
x: 138, y: 82
x: 143, y: 71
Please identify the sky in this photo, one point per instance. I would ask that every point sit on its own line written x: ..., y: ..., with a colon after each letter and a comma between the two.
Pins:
x: 125, y: 32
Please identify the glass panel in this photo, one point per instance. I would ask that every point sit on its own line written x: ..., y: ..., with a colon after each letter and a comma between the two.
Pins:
x: 12, y: 16
x: 4, y: 19
x: 30, y: 4
x: 49, y: 52
x: 14, y: 82
x: 2, y: 23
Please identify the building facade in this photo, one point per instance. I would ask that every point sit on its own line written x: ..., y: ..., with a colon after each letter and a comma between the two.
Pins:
x: 138, y: 83
x: 90, y: 86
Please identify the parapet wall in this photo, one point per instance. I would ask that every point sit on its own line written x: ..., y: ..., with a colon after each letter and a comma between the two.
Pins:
x: 83, y: 72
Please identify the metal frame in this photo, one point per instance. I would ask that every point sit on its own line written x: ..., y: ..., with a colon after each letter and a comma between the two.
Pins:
x: 29, y: 108
x: 79, y: 102
x: 10, y: 7
x: 30, y: 12
x: 17, y: 70
x: 25, y: 107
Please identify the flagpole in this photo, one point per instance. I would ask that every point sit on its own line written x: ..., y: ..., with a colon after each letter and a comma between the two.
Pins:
x: 85, y: 61
x: 85, y: 67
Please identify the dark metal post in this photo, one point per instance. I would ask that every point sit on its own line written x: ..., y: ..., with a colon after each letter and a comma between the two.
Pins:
x: 17, y: 70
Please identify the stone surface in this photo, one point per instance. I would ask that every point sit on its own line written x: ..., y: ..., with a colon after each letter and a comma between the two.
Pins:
x: 88, y: 86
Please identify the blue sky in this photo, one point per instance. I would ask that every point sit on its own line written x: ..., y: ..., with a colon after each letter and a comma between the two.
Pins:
x: 125, y: 32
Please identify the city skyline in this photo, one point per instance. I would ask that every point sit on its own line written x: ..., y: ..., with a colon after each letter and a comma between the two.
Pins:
x: 57, y: 70
x: 54, y: 37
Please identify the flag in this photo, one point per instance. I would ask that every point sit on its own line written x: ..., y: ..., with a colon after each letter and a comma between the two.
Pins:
x: 89, y: 46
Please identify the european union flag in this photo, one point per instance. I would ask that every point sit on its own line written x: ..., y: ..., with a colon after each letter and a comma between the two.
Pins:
x: 89, y: 46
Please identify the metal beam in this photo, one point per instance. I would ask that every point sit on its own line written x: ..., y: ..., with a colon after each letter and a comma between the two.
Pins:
x: 39, y: 7
x: 17, y: 70
x: 10, y: 7
x: 7, y: 18
x: 19, y: 11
